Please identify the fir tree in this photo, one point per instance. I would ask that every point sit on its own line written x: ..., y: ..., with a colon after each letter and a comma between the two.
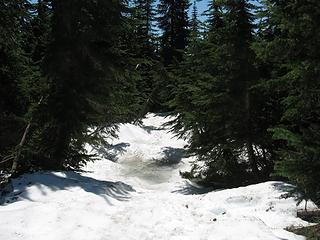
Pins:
x: 194, y: 23
x: 173, y: 22
x: 15, y: 71
x: 145, y: 53
x: 216, y: 104
x: 175, y: 32
x: 214, y: 14
x: 80, y: 66
x: 144, y: 17
x: 294, y: 51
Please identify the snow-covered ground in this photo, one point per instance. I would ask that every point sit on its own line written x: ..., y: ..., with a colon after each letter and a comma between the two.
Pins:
x: 140, y: 195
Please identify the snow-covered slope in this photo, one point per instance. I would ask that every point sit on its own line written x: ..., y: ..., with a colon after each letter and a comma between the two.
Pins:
x: 140, y: 195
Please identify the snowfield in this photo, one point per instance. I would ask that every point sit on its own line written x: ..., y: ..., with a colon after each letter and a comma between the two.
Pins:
x: 135, y: 192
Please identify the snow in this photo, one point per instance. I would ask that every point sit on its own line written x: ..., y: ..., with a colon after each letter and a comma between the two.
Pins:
x: 140, y: 195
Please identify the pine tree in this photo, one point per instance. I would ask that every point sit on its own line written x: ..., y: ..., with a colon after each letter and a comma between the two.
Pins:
x: 216, y: 103
x: 294, y: 50
x: 36, y: 28
x: 214, y: 14
x: 36, y: 38
x: 39, y: 28
x: 175, y: 32
x: 80, y: 65
x: 240, y: 20
x: 194, y: 23
x: 144, y: 17
x: 173, y: 22
x: 11, y: 13
x: 145, y: 53
x: 15, y: 70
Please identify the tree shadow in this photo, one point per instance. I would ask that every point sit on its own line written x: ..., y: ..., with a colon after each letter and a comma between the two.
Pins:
x: 149, y: 129
x: 283, y: 186
x: 172, y: 156
x: 164, y: 126
x: 111, y: 151
x: 193, y: 189
x: 163, y: 114
x: 46, y: 182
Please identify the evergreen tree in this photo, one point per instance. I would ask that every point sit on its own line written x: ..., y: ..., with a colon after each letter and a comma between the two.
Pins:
x: 294, y: 50
x: 81, y: 67
x: 38, y: 30
x: 15, y: 71
x: 216, y: 104
x: 242, y: 74
x: 36, y: 38
x: 194, y: 23
x: 173, y: 22
x: 174, y: 36
x: 145, y: 53
x: 144, y: 17
x: 214, y: 14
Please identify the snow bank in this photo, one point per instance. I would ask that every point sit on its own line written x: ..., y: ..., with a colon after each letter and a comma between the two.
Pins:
x: 140, y: 195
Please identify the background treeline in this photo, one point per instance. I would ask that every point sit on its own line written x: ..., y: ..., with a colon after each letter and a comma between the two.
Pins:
x: 244, y: 84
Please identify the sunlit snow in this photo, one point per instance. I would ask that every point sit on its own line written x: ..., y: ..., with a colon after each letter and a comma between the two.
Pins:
x: 138, y: 194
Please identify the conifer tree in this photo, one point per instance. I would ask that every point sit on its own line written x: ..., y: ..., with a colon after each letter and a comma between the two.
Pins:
x: 294, y: 51
x: 15, y: 71
x: 174, y: 29
x: 216, y: 104
x: 36, y: 38
x: 81, y: 69
x: 194, y: 23
x: 144, y: 17
x: 173, y: 22
x: 145, y: 53
x: 38, y: 30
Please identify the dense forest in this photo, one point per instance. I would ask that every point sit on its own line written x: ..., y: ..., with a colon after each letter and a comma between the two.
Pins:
x: 244, y: 85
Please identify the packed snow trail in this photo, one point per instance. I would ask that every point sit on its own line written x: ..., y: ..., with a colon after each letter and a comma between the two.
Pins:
x: 135, y: 192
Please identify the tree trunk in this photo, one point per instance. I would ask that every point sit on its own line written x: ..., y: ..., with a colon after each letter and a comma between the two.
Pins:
x: 15, y: 162
x: 19, y: 148
x: 249, y: 145
x: 252, y: 158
